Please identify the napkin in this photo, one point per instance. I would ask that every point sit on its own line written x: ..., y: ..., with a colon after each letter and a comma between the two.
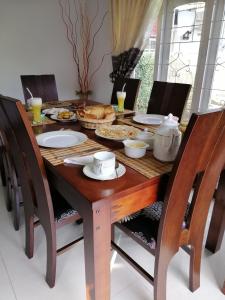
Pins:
x: 79, y: 160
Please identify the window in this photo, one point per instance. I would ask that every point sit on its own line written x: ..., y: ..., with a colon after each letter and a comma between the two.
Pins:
x: 213, y: 90
x: 189, y: 48
x: 145, y: 70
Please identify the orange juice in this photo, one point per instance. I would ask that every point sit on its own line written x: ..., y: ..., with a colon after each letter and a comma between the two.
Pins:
x: 36, y: 104
x: 121, y: 98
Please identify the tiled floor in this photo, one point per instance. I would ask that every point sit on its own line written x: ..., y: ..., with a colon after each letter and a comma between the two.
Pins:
x: 23, y: 279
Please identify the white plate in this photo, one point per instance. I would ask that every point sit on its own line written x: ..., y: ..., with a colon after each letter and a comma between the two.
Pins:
x: 55, y: 117
x: 117, y: 132
x: 149, y: 119
x: 54, y: 110
x: 61, y: 139
x: 87, y: 170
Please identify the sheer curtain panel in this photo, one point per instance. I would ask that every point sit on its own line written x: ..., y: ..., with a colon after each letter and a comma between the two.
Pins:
x: 131, y: 19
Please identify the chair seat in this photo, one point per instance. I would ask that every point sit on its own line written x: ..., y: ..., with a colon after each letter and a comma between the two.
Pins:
x: 144, y: 225
x: 62, y: 209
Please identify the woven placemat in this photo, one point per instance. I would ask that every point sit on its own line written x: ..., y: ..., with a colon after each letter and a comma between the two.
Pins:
x: 59, y: 104
x: 57, y: 156
x: 147, y: 165
x: 129, y: 121
x: 45, y: 121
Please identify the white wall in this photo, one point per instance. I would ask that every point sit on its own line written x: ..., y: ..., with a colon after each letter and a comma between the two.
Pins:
x: 33, y: 41
x: 102, y: 86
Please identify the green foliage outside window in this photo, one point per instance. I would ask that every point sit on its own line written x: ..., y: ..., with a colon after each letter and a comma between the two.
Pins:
x: 144, y: 70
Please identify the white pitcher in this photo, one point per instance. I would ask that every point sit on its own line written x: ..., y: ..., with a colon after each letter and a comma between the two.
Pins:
x: 167, y: 139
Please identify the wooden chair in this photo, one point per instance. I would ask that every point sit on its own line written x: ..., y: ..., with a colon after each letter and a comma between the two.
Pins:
x: 168, y: 97
x: 217, y: 223
x: 43, y: 86
x: 2, y: 168
x: 10, y: 167
x: 201, y: 158
x: 52, y: 213
x: 131, y: 89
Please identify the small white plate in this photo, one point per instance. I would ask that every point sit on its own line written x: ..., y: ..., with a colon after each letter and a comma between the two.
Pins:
x: 87, y: 170
x: 148, y: 119
x: 61, y: 139
x: 54, y: 110
x: 55, y: 117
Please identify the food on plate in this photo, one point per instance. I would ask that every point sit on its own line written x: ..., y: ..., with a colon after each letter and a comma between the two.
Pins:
x: 65, y: 115
x: 97, y: 112
x: 117, y: 132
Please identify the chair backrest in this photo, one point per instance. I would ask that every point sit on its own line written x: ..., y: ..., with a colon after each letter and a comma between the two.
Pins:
x: 43, y: 86
x: 131, y: 89
x: 168, y: 97
x: 200, y: 159
x: 35, y: 174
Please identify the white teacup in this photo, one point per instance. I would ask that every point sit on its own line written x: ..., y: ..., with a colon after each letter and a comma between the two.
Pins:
x: 104, y: 163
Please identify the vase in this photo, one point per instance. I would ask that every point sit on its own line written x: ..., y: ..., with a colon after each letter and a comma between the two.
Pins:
x: 83, y: 95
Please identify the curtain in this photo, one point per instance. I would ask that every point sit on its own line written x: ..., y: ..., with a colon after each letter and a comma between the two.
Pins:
x: 131, y: 21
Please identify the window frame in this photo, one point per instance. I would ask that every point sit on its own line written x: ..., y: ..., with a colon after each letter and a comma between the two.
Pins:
x: 207, y: 50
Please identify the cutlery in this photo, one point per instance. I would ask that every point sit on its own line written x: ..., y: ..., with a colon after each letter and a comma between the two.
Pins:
x: 116, y: 169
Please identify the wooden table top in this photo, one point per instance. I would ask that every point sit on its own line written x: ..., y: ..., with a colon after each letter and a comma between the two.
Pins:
x: 73, y: 174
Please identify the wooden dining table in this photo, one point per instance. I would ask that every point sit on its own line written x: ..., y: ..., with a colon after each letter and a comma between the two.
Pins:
x: 100, y: 203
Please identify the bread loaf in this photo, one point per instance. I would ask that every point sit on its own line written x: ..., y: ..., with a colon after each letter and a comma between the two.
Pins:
x: 97, y: 112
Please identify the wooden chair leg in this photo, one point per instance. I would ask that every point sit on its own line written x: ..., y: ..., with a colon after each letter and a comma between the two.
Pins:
x: 3, y: 175
x: 51, y: 257
x: 160, y: 276
x: 112, y: 232
x: 16, y: 208
x: 195, y: 266
x: 29, y: 227
x: 9, y: 193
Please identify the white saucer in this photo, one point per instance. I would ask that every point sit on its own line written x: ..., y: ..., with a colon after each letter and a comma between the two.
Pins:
x: 87, y: 170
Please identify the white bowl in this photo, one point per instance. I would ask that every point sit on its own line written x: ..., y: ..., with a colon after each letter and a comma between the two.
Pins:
x: 135, y: 148
x: 146, y: 137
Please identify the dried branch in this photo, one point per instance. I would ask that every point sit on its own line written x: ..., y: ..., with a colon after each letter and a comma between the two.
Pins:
x: 82, y: 40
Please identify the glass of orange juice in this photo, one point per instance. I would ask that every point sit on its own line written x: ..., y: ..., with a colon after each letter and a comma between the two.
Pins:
x: 121, y: 98
x: 36, y: 104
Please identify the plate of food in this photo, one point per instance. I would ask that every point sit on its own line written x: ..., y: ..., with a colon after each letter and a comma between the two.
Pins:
x: 65, y: 116
x: 54, y: 110
x: 117, y: 132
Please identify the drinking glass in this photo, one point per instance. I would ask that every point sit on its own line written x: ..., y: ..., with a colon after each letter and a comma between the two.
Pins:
x: 36, y: 104
x: 121, y: 98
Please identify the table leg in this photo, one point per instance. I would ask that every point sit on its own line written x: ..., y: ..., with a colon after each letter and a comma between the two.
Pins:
x: 217, y: 224
x: 97, y: 248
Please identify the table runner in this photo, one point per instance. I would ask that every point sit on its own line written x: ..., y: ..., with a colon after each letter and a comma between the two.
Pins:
x: 56, y: 156
x: 147, y: 165
x: 129, y: 121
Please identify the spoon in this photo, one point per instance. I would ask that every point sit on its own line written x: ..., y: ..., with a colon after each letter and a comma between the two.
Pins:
x: 116, y: 169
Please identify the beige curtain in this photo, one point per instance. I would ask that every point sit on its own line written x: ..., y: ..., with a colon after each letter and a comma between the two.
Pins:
x: 131, y: 19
